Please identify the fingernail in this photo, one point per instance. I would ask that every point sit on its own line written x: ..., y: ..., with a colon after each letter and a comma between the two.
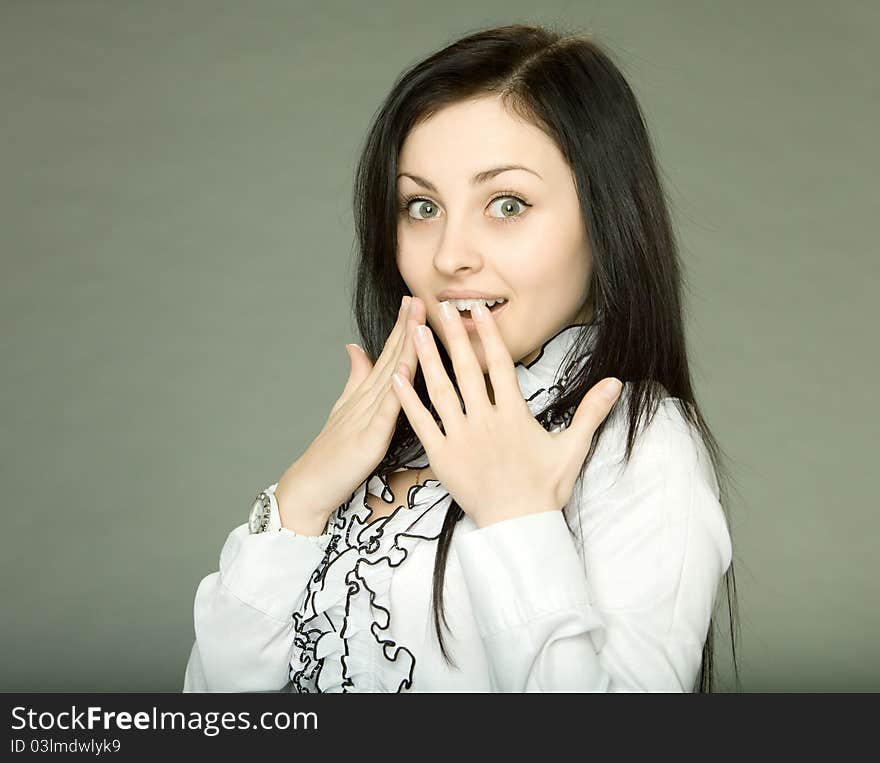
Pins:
x: 398, y: 382
x: 447, y: 310
x: 478, y: 310
x: 611, y: 388
x: 422, y: 333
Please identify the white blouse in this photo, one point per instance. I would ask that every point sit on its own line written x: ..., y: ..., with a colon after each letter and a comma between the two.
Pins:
x: 621, y: 605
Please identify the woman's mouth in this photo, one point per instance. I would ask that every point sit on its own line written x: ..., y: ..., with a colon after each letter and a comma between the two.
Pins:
x: 468, y: 321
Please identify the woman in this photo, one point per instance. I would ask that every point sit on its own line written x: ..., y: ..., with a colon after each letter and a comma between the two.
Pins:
x: 569, y: 535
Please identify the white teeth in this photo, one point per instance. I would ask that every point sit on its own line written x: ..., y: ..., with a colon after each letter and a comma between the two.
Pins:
x: 466, y: 304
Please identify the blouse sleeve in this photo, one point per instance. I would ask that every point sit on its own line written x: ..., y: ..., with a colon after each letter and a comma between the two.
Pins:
x: 243, y: 612
x: 627, y: 608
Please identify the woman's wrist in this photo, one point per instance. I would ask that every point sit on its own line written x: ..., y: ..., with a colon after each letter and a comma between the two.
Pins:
x: 293, y: 508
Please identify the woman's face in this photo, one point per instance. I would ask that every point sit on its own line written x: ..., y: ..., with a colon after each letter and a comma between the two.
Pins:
x: 473, y: 236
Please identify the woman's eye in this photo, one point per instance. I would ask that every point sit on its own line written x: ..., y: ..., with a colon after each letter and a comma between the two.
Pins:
x: 509, y: 206
x: 421, y: 204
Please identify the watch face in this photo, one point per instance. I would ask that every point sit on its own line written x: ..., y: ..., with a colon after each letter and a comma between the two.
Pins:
x: 260, y: 512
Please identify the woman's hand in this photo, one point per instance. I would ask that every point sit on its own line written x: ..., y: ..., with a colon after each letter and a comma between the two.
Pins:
x: 357, y: 433
x: 497, y: 461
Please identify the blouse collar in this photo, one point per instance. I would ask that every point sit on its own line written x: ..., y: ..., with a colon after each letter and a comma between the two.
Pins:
x: 544, y: 374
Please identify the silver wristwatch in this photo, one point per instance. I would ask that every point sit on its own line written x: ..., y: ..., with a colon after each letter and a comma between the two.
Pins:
x: 264, y: 515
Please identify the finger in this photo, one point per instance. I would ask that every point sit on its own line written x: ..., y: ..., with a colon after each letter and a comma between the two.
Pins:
x: 410, y: 356
x: 467, y: 368
x: 406, y: 348
x: 395, y: 338
x: 440, y: 388
x: 380, y: 380
x: 590, y: 413
x: 419, y: 417
x: 406, y: 359
x: 389, y: 406
x: 403, y: 330
x: 360, y: 367
x: 499, y: 363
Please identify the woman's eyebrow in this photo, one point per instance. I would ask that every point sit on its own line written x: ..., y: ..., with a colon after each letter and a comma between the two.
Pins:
x: 480, y: 177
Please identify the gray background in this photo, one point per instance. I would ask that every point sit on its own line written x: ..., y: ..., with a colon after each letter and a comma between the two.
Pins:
x: 177, y: 250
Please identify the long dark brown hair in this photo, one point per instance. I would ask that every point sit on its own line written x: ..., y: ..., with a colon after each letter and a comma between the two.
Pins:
x: 567, y: 85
